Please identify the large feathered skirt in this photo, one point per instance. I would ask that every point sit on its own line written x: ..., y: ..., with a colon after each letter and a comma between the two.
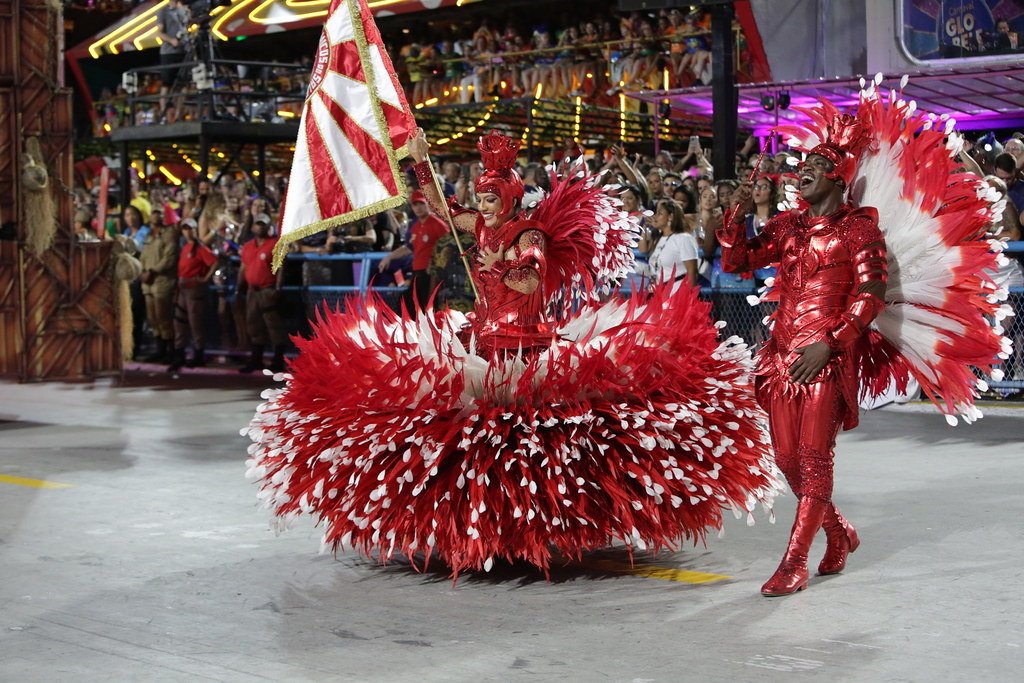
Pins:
x: 635, y: 424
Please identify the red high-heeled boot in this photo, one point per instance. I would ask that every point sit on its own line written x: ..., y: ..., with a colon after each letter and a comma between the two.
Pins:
x: 791, y: 576
x: 842, y: 540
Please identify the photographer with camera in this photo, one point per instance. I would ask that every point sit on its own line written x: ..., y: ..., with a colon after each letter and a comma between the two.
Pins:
x: 172, y: 21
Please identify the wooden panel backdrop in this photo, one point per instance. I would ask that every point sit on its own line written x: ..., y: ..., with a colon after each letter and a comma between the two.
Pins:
x: 58, y: 310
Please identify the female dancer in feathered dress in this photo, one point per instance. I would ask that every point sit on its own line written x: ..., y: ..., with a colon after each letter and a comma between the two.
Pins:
x: 545, y: 421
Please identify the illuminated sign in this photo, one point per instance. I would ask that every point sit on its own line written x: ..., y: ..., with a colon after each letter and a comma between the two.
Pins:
x: 244, y: 18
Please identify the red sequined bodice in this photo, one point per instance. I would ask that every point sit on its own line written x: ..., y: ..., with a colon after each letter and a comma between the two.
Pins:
x: 504, y: 317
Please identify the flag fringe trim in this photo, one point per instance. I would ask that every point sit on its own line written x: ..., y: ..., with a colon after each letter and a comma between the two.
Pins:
x: 285, y: 241
x: 371, y: 82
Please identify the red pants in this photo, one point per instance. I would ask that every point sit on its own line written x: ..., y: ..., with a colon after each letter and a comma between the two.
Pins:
x: 804, y: 421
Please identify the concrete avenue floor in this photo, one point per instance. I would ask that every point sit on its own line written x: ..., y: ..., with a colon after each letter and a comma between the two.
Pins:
x: 154, y: 564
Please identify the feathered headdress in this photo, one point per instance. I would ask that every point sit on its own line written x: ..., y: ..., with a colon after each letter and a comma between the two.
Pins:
x: 840, y: 138
x: 498, y: 154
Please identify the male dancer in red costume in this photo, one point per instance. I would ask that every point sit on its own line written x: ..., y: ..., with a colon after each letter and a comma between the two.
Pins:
x: 831, y: 285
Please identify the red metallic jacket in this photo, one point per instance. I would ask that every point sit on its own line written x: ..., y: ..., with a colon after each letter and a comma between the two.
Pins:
x: 830, y: 284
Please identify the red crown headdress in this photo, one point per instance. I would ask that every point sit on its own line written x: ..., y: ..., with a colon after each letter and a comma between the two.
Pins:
x: 840, y: 138
x: 846, y: 137
x: 498, y: 153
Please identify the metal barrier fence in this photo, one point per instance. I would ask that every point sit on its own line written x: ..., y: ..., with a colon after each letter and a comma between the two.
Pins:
x: 314, y: 281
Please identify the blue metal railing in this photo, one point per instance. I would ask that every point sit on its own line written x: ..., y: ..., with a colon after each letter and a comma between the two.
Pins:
x: 729, y: 295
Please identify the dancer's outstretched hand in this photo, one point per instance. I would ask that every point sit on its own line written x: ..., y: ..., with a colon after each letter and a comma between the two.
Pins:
x: 812, y: 359
x: 419, y: 148
x: 745, y: 200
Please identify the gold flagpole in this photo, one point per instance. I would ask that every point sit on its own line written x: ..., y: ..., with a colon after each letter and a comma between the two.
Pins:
x: 451, y: 225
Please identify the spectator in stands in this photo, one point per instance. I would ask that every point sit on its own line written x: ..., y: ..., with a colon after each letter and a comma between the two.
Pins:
x: 663, y: 160
x: 417, y: 64
x: 765, y: 197
x: 631, y: 204
x: 679, y: 57
x: 563, y: 78
x: 84, y: 232
x: 223, y: 237
x: 621, y: 56
x: 451, y: 173
x: 1006, y: 170
x: 655, y: 186
x: 159, y: 274
x: 258, y: 206
x: 353, y: 238
x: 210, y: 221
x: 726, y: 189
x: 450, y: 62
x: 478, y: 59
x: 673, y: 184
x: 707, y: 219
x: 194, y: 199
x: 674, y: 256
x: 685, y: 197
x: 695, y: 67
x: 387, y: 229
x: 172, y: 23
x: 1015, y: 148
x: 463, y: 191
x: 133, y: 226
x: 262, y: 289
x: 542, y: 71
x: 131, y: 219
x: 196, y: 266
x: 690, y: 183
x: 511, y: 44
x: 426, y: 229
x: 535, y: 184
x: 646, y: 73
x: 1008, y: 228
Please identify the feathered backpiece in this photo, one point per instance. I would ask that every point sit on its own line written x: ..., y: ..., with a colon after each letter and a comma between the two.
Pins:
x: 943, y: 309
x: 590, y: 237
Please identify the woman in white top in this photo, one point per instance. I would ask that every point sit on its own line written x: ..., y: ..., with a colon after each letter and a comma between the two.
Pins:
x: 674, y: 256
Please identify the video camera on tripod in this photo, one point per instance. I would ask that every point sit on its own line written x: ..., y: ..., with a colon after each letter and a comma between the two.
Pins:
x: 199, y: 45
x: 202, y: 10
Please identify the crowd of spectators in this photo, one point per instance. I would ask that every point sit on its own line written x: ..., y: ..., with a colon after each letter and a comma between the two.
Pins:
x: 593, y: 59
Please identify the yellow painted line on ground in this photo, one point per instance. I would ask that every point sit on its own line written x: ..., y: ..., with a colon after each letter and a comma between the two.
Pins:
x: 33, y: 483
x: 662, y: 573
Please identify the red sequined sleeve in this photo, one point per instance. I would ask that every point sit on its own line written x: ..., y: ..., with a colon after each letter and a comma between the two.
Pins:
x: 870, y: 277
x: 740, y: 254
x: 525, y: 271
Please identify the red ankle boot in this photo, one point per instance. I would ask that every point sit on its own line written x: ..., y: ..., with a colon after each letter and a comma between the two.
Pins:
x: 791, y: 576
x: 842, y: 540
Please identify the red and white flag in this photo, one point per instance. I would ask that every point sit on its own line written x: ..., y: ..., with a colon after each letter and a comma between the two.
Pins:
x: 354, y: 128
